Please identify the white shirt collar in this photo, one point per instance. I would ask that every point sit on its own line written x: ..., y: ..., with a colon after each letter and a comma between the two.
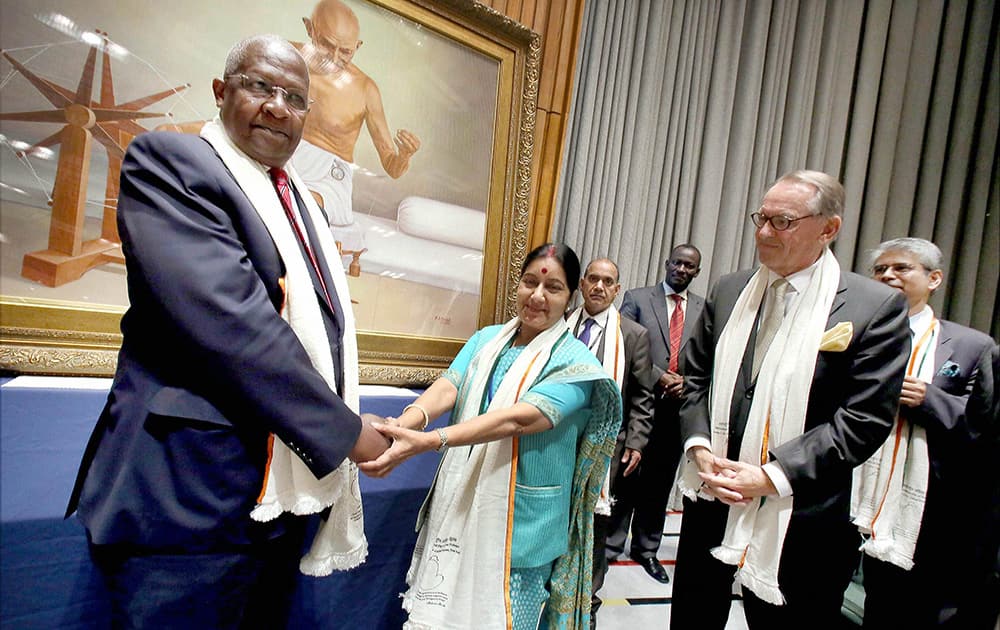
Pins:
x: 601, y: 319
x: 799, y: 280
x: 669, y: 290
x: 921, y: 321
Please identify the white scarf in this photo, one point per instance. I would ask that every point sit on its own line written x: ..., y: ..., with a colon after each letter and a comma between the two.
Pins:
x: 461, y: 561
x: 755, y: 532
x: 290, y: 486
x: 890, y: 489
x: 613, y: 360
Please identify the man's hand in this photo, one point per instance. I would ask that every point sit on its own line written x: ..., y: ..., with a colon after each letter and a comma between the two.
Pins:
x: 672, y: 384
x: 370, y: 443
x: 914, y: 392
x: 405, y: 444
x: 736, y: 483
x: 631, y: 459
x: 407, y: 143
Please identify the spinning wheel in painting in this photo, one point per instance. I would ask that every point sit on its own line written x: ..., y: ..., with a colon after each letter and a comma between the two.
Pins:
x: 113, y: 125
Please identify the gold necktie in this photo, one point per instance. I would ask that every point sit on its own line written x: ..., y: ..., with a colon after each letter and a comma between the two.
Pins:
x: 774, y: 312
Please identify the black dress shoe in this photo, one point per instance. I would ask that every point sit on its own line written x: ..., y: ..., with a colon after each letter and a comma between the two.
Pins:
x: 653, y: 567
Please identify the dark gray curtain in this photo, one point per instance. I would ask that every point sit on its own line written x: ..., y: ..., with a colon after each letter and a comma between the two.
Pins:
x: 685, y: 111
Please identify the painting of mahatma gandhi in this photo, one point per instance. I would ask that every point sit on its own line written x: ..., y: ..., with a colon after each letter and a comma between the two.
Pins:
x: 399, y: 140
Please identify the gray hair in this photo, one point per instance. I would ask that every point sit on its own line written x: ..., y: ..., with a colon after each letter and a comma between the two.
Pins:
x: 927, y: 253
x: 241, y: 50
x: 829, y: 198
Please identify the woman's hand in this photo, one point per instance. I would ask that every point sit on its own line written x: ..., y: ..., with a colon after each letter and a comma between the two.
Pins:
x: 405, y: 444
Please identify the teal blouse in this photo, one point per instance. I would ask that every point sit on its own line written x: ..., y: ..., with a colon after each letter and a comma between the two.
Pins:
x: 546, y: 460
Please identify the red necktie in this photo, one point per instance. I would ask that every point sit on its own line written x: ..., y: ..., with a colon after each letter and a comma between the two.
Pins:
x: 676, y: 330
x: 280, y: 179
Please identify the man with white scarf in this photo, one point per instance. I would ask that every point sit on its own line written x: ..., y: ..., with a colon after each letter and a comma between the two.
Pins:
x: 622, y: 346
x: 235, y: 401
x: 924, y: 487
x: 786, y: 395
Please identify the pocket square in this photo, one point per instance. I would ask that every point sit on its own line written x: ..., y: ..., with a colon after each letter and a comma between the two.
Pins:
x: 950, y: 368
x: 837, y: 338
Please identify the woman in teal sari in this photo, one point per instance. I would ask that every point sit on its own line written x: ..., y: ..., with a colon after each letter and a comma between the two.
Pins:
x: 506, y: 533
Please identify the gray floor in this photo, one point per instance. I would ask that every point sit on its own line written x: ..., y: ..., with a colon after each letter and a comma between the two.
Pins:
x: 634, y: 601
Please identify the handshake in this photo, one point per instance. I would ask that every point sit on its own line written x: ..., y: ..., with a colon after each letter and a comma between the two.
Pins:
x: 383, y: 445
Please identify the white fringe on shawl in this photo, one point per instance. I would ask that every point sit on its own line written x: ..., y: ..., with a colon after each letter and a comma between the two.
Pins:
x: 458, y: 574
x: 290, y: 487
x: 755, y: 532
x: 613, y: 360
x: 889, y: 490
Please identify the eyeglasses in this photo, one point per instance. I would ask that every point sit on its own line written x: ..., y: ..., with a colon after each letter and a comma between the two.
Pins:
x: 779, y: 222
x: 899, y: 269
x: 260, y: 88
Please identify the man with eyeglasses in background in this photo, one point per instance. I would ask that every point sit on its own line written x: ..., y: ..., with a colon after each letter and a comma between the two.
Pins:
x: 793, y: 376
x: 922, y: 499
x: 668, y: 310
x: 236, y: 392
x: 345, y: 98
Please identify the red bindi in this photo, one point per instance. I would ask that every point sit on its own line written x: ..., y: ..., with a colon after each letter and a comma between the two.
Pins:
x: 545, y: 270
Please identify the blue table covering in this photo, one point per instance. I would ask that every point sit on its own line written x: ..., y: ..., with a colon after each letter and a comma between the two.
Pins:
x: 46, y: 579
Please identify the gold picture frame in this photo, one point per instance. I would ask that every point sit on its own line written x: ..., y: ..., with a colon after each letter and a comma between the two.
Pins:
x: 39, y: 335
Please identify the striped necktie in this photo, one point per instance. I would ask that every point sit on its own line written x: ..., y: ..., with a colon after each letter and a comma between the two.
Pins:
x: 280, y: 179
x: 676, y: 332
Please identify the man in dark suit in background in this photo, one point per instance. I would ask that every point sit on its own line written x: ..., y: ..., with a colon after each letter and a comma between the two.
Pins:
x: 625, y: 346
x: 921, y: 585
x: 642, y: 501
x: 793, y: 377
x: 222, y: 358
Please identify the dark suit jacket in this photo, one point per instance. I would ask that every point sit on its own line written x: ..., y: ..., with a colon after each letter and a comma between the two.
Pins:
x: 956, y: 488
x: 637, y: 391
x: 207, y: 369
x: 852, y: 403
x: 648, y: 306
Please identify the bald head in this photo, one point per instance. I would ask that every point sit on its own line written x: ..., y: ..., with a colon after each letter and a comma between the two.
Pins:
x: 334, y: 37
x: 329, y: 12
x: 267, y: 45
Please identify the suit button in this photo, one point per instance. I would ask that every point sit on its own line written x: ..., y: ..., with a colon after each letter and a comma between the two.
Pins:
x: 749, y: 393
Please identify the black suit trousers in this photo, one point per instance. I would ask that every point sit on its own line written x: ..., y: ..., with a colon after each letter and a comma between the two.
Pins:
x: 817, y: 561
x: 641, y: 498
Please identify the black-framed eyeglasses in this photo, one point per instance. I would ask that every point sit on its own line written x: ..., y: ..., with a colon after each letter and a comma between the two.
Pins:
x: 260, y: 88
x: 779, y: 222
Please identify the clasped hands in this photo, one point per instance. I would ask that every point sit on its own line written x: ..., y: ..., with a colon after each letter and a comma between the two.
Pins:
x: 732, y: 482
x: 671, y: 384
x: 400, y: 444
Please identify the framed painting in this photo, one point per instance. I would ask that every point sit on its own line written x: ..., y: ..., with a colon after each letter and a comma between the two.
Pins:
x: 418, y: 145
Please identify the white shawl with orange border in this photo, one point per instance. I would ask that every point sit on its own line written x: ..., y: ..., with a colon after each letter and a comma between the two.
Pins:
x: 289, y: 484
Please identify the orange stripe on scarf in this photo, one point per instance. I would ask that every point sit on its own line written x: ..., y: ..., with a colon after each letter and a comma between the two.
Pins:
x: 510, y: 507
x: 899, y: 424
x: 267, y: 466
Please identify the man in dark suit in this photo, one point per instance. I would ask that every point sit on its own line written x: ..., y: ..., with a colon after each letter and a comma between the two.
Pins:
x: 793, y: 374
x: 213, y: 371
x: 948, y: 363
x: 643, y: 499
x: 607, y: 333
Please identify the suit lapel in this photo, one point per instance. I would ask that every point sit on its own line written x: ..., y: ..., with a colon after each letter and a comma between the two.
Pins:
x: 658, y: 302
x: 838, y: 300
x: 944, y: 348
x: 691, y: 313
x: 314, y: 242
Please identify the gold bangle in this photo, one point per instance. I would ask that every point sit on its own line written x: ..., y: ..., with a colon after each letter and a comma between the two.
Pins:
x: 427, y: 417
x: 444, y: 440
